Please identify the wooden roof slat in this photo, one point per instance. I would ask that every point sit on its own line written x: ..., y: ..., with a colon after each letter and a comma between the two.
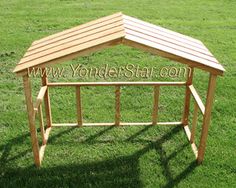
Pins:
x: 72, y: 44
x: 116, y: 29
x: 69, y: 51
x: 166, y: 37
x: 77, y: 27
x: 173, y: 54
x: 86, y: 51
x: 170, y: 45
x: 166, y: 33
x: 188, y: 39
x: 68, y: 41
x: 76, y: 32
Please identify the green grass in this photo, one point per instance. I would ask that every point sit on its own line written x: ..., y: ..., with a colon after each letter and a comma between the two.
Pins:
x: 125, y: 156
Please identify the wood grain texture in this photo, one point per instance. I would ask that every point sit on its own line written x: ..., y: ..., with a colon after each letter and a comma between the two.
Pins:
x: 69, y: 84
x: 47, y: 104
x: 117, y: 105
x: 197, y: 99
x: 113, y: 124
x: 41, y: 125
x: 156, y: 93
x: 70, y: 45
x: 31, y: 119
x: 79, y: 106
x: 206, y: 117
x: 113, y: 30
x: 187, y: 96
x: 166, y: 44
x: 165, y: 36
x: 106, y: 32
x: 193, y: 145
x: 75, y: 51
x: 172, y: 33
x: 43, y: 147
x: 173, y: 54
x: 40, y: 97
x: 194, y: 123
x: 68, y: 40
x: 71, y: 30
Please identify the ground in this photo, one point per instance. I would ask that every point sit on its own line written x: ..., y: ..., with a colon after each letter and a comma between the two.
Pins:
x: 125, y: 156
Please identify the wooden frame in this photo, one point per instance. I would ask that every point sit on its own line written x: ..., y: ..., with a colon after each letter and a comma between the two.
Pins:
x: 190, y: 90
x: 106, y: 32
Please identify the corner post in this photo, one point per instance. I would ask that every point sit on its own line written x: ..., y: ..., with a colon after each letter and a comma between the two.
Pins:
x: 47, y: 105
x: 31, y: 119
x: 206, y: 117
x: 187, y: 96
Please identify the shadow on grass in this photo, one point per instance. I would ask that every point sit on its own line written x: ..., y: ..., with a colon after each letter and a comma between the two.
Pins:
x: 117, y: 172
x: 6, y: 150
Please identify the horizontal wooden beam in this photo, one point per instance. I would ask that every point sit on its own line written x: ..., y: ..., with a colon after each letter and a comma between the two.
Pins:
x: 197, y: 99
x: 193, y: 145
x: 116, y: 84
x: 113, y: 124
x: 40, y: 97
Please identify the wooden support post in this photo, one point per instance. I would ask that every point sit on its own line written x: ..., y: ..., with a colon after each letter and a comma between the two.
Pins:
x: 42, y: 124
x: 79, y: 106
x: 206, y: 117
x: 194, y: 124
x: 187, y: 96
x: 117, y: 105
x: 31, y: 118
x: 155, y: 104
x: 47, y: 105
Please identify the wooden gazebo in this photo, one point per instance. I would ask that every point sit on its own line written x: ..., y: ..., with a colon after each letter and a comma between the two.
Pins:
x: 109, y: 31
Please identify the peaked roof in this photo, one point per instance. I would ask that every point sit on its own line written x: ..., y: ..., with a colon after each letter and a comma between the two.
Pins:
x: 116, y: 29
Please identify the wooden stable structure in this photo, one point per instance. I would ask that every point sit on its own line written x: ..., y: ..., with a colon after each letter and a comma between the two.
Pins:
x: 106, y: 32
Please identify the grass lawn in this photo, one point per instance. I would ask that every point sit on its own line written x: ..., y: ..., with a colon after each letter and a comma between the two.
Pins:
x: 124, y: 156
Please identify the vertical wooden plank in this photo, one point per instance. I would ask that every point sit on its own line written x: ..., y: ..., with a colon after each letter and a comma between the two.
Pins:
x: 206, y: 117
x: 117, y: 105
x: 187, y: 96
x: 194, y: 124
x: 156, y: 94
x: 47, y: 105
x: 41, y: 124
x: 79, y: 106
x: 31, y: 119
